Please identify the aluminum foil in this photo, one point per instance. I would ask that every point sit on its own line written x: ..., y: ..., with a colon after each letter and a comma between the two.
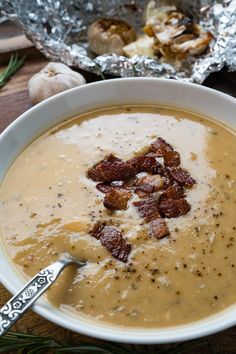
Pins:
x: 58, y: 29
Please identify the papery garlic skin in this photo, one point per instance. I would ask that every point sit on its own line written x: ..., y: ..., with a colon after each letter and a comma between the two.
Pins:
x: 52, y: 79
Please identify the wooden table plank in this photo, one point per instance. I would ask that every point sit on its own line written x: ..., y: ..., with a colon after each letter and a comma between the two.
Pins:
x: 14, y: 100
x: 19, y: 82
x: 12, y: 38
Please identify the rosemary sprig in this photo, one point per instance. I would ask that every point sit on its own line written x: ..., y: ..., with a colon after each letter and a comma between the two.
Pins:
x: 21, y: 343
x: 14, y: 64
x: 30, y: 344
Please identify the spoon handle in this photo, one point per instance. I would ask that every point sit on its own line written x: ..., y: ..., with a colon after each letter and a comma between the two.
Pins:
x: 25, y: 298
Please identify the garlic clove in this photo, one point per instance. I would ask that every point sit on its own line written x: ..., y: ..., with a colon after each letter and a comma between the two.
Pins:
x: 52, y: 79
x: 142, y: 46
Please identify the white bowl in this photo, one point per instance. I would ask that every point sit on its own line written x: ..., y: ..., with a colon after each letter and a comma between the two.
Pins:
x: 116, y: 92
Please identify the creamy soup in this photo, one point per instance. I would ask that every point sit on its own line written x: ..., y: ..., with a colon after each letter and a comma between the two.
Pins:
x: 48, y: 206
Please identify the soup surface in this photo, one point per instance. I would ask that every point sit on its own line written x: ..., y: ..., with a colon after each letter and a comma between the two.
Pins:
x: 48, y: 205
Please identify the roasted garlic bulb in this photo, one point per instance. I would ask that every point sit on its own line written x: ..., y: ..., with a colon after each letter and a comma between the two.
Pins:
x: 176, y: 36
x: 109, y: 36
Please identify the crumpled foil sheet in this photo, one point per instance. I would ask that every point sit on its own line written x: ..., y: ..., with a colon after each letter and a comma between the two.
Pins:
x: 58, y: 29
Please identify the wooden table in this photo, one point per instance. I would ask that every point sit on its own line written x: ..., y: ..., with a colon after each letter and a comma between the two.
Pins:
x: 14, y: 100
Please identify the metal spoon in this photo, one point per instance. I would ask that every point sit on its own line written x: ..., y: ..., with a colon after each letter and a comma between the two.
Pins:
x: 26, y: 297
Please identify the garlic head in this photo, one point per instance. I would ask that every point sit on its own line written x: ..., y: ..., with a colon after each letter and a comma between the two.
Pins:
x: 107, y: 35
x: 52, y: 79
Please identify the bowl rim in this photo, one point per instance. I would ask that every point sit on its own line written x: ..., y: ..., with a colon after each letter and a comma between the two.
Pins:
x: 118, y: 333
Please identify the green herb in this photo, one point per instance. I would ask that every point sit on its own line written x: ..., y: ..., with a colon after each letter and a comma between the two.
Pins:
x: 99, y: 71
x: 20, y: 343
x: 135, y: 73
x: 30, y: 344
x: 14, y: 64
